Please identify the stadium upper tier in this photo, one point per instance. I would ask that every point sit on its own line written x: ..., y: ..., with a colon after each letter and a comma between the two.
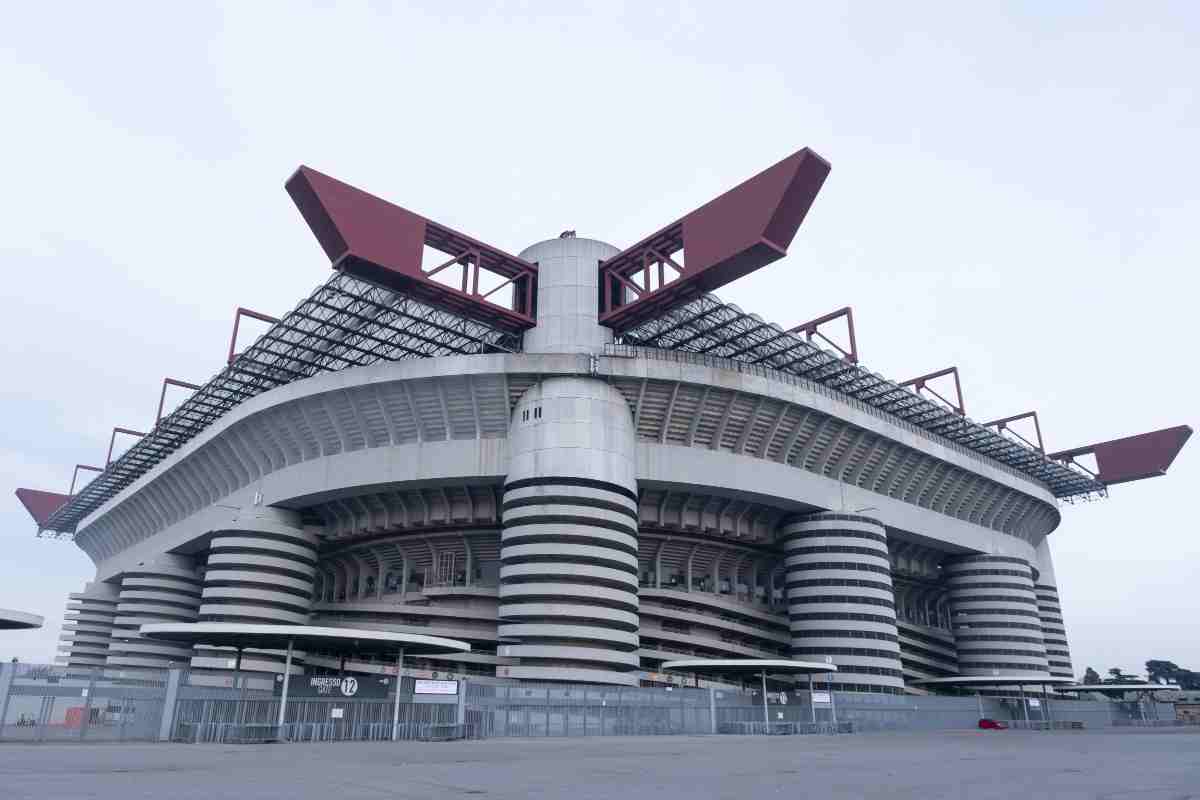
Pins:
x: 385, y: 304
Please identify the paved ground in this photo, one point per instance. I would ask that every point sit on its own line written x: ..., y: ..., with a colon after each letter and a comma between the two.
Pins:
x: 1145, y: 765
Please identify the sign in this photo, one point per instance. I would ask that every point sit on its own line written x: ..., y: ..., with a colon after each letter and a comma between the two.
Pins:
x: 435, y: 687
x: 335, y: 687
x: 336, y: 713
x: 1035, y: 703
x: 822, y: 698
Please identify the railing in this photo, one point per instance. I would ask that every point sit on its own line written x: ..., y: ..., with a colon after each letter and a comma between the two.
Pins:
x: 1155, y: 723
x: 332, y: 731
x: 784, y: 728
x: 1046, y: 725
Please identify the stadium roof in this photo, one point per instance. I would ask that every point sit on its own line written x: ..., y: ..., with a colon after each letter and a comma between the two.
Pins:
x: 709, y: 326
x: 345, y: 322
x: 382, y: 304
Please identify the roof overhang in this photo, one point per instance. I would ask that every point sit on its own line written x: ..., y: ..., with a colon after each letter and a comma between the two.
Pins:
x: 994, y: 680
x: 1132, y: 458
x: 383, y: 243
x: 304, y: 637
x: 41, y: 505
x: 19, y: 620
x: 729, y: 666
x: 744, y: 229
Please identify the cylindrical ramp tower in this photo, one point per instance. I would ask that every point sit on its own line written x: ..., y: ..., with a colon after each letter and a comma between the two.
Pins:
x: 88, y: 625
x: 260, y: 570
x: 1054, y: 632
x: 569, y: 546
x: 840, y: 600
x: 166, y: 589
x: 994, y: 614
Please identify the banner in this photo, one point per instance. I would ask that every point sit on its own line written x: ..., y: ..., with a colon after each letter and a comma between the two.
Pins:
x: 370, y: 687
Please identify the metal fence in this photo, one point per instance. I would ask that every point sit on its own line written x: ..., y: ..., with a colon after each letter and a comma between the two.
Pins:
x: 584, y: 710
x: 41, y: 703
x: 226, y: 720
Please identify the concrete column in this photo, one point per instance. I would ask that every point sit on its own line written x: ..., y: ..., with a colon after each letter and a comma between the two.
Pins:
x: 261, y: 569
x: 569, y: 534
x: 1054, y: 632
x: 994, y: 613
x: 88, y: 625
x: 167, y: 724
x: 838, y: 586
x: 163, y: 589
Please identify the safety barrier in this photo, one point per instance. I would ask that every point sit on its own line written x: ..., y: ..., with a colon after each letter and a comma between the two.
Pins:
x: 784, y: 728
x: 1046, y: 725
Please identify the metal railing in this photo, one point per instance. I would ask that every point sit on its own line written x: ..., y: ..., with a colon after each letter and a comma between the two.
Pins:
x: 784, y: 728
x: 1046, y: 725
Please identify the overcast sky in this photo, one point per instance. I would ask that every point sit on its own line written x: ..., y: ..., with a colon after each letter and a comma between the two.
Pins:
x: 1013, y: 192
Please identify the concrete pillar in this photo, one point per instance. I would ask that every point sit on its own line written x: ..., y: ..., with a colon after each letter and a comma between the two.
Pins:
x: 570, y: 515
x: 570, y: 532
x: 165, y: 588
x: 994, y: 614
x: 840, y: 602
x: 261, y: 569
x: 1054, y: 632
x: 170, y: 702
x: 88, y: 625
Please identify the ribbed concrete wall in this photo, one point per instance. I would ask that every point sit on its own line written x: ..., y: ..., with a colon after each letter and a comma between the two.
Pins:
x: 1058, y: 653
x: 88, y: 625
x: 994, y: 613
x: 260, y: 571
x: 569, y: 545
x: 166, y: 589
x: 840, y: 599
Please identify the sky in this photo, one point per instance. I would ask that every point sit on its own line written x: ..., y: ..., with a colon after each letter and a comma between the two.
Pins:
x: 1013, y: 192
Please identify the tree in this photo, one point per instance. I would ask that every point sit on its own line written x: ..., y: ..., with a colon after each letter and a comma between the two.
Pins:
x: 1090, y: 677
x: 1160, y: 671
x: 1117, y: 676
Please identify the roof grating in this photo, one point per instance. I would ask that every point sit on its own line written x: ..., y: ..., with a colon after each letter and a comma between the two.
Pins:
x: 346, y: 322
x: 709, y: 327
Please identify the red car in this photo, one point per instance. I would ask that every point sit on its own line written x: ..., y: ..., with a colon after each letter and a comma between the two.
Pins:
x: 993, y: 725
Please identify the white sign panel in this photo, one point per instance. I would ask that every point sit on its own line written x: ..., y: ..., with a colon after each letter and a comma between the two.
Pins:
x: 1035, y: 703
x: 435, y: 687
x: 822, y: 698
x: 336, y: 713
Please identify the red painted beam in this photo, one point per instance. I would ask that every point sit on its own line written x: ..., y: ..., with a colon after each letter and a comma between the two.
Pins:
x: 812, y: 329
x: 1146, y: 455
x: 921, y: 383
x: 1002, y: 424
x: 379, y: 242
x: 237, y: 320
x: 162, y: 396
x: 739, y: 232
x: 113, y: 440
x: 41, y: 505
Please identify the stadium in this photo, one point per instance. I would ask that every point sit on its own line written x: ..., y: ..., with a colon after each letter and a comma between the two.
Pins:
x: 583, y: 463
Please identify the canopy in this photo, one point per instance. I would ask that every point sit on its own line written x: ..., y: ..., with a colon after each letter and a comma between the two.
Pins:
x: 18, y: 620
x: 993, y: 680
x: 775, y: 666
x: 303, y: 637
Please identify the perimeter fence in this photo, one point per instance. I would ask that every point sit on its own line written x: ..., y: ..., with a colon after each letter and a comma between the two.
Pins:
x: 40, y: 703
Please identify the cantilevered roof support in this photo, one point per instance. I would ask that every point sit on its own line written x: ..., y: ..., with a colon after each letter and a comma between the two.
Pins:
x: 744, y: 229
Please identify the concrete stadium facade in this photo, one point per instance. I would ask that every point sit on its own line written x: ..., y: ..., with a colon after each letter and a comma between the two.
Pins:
x: 581, y: 513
